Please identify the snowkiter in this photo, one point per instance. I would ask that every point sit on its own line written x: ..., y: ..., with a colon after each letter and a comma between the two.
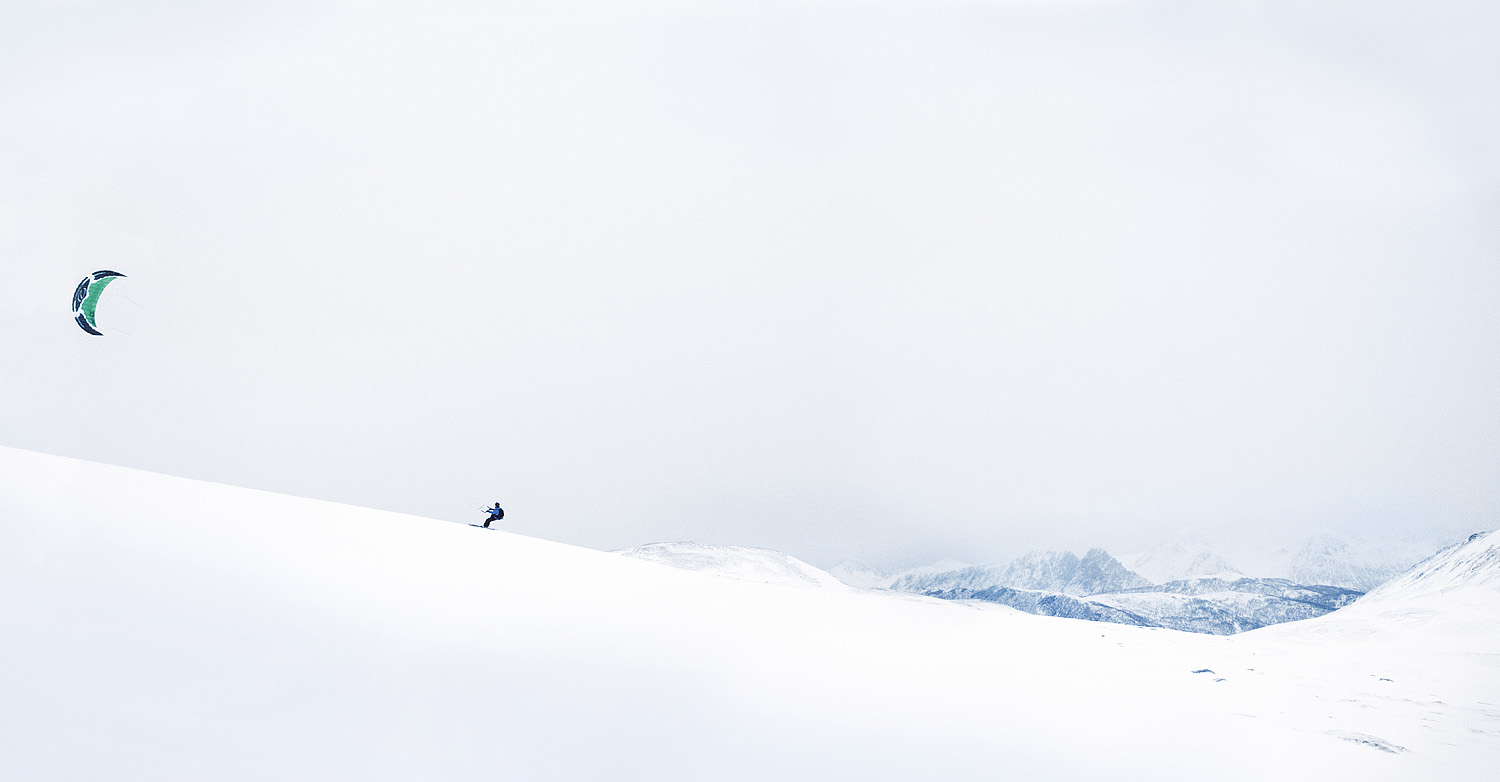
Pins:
x: 496, y: 513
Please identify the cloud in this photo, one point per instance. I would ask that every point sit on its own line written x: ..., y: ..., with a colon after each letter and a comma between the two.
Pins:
x: 812, y: 277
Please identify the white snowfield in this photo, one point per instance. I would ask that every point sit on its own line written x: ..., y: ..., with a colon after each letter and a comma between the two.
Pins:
x: 158, y: 628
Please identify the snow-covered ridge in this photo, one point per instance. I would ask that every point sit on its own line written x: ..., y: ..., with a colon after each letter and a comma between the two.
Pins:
x: 737, y: 562
x: 1471, y: 564
x: 1448, y: 600
x: 1050, y: 571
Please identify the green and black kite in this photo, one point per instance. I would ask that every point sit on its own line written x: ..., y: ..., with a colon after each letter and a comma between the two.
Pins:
x: 86, y: 299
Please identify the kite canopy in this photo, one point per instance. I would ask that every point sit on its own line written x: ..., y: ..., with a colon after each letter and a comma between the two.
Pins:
x: 86, y: 299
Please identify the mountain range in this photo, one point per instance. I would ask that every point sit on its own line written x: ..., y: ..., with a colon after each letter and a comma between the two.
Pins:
x: 1208, y: 595
x: 1095, y: 587
x: 1051, y: 571
x: 1193, y: 588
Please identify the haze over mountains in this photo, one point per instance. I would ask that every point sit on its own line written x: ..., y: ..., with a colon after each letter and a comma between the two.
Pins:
x: 1060, y: 572
x: 1179, y: 561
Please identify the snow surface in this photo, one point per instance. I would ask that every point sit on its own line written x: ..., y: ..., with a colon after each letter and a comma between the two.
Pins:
x: 165, y: 629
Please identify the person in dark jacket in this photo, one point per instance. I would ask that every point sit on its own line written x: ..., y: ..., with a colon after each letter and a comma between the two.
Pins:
x: 496, y: 513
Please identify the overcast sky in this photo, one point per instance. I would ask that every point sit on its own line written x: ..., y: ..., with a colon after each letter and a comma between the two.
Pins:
x: 892, y: 281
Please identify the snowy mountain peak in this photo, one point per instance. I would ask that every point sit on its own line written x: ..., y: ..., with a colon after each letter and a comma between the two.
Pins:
x: 1050, y: 571
x: 1180, y: 561
x: 1329, y: 560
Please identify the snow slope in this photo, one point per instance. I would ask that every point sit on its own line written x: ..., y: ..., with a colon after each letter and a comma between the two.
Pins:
x: 166, y: 629
x: 1471, y: 568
